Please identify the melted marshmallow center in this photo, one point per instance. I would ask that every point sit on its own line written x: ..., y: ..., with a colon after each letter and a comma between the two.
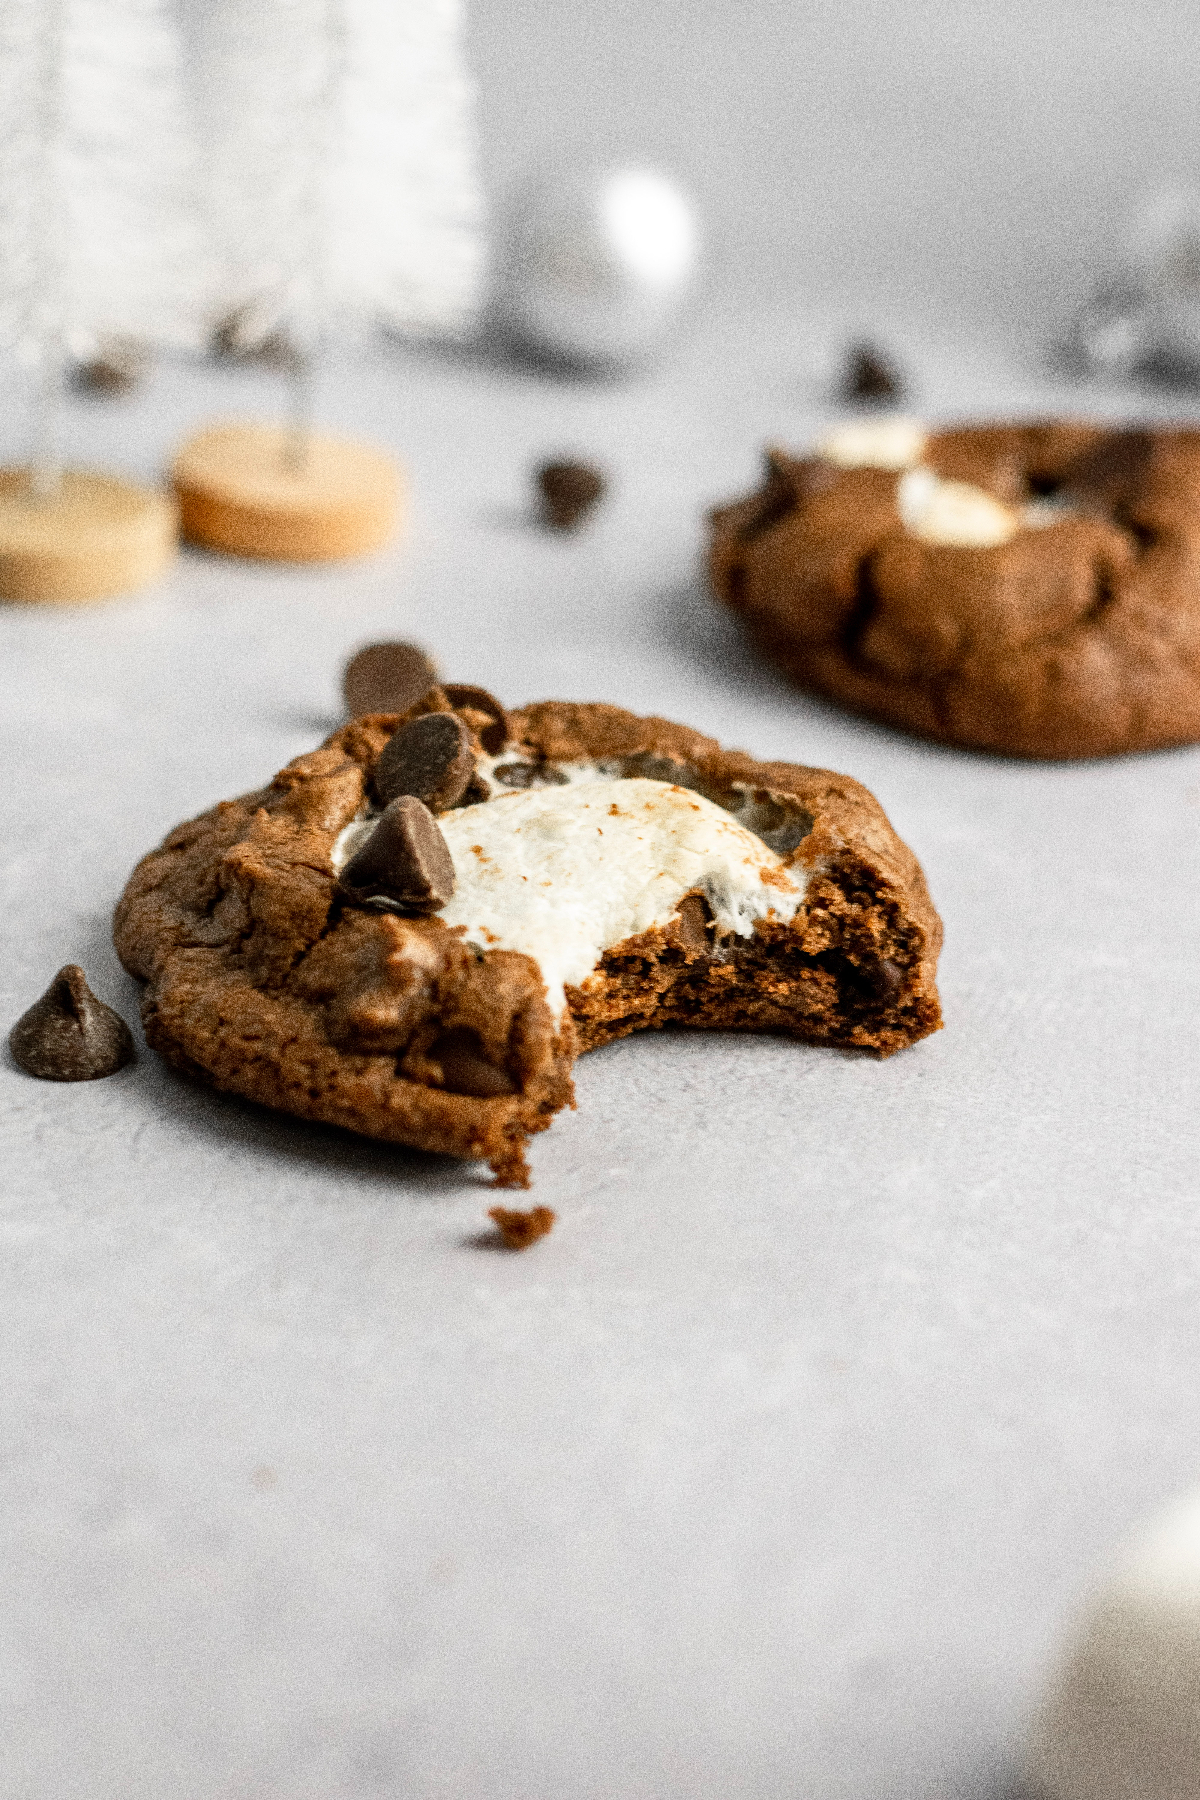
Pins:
x: 566, y: 873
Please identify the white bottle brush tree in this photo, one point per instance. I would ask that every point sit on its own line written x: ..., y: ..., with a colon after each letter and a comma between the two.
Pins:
x: 95, y: 243
x: 338, y: 191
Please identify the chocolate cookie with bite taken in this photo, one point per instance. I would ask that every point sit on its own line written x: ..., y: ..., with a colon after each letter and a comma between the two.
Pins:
x: 1028, y: 589
x: 416, y: 929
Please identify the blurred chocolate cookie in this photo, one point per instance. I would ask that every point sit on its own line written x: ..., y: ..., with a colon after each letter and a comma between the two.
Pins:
x: 1027, y: 589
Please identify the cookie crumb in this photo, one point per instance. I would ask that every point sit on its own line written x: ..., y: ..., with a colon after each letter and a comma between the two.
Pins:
x: 520, y: 1229
x: 569, y: 491
x: 870, y: 375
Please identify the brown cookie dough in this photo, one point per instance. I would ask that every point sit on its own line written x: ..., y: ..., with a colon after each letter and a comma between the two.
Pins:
x: 267, y: 978
x: 1051, y: 608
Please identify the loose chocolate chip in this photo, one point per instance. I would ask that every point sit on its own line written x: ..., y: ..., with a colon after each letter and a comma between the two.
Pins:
x: 530, y: 775
x: 387, y: 677
x: 465, y: 1068
x: 493, y: 735
x: 569, y: 491
x: 117, y: 368
x: 431, y: 758
x: 870, y: 375
x: 69, y: 1035
x: 694, y: 919
x: 405, y: 859
x: 520, y: 1229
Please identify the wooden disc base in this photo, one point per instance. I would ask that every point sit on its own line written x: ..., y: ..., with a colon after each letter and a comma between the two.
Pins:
x: 94, y: 537
x: 237, y: 492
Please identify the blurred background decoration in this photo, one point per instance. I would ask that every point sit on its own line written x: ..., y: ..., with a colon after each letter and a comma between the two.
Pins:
x: 963, y: 169
x: 1119, y: 1719
x: 593, y: 266
x: 335, y: 171
x: 336, y: 165
x: 96, y: 240
x: 1144, y: 316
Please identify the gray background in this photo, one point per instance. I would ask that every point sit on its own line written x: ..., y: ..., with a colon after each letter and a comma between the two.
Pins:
x: 954, y: 164
x: 780, y: 1466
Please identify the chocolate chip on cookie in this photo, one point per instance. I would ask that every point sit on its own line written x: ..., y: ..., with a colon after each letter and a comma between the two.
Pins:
x: 529, y: 775
x: 870, y: 375
x: 569, y: 491
x: 405, y: 859
x: 519, y: 1229
x: 387, y: 677
x: 69, y: 1035
x: 491, y: 728
x: 465, y: 1068
x: 431, y: 758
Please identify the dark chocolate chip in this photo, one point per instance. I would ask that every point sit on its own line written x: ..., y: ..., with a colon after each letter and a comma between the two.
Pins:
x: 694, y: 920
x: 465, y: 1068
x: 493, y: 731
x: 117, y: 368
x: 520, y: 1229
x: 384, y: 678
x: 69, y: 1035
x: 870, y: 375
x: 405, y: 859
x: 431, y: 758
x: 569, y: 491
x: 530, y: 775
x: 882, y: 980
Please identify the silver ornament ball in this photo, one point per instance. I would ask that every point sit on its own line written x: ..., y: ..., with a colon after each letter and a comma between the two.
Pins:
x: 595, y: 265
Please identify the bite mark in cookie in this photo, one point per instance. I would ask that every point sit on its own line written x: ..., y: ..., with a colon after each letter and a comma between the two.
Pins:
x: 631, y: 875
x: 564, y: 873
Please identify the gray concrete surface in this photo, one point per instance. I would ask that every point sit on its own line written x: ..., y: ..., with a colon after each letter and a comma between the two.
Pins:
x: 776, y: 1469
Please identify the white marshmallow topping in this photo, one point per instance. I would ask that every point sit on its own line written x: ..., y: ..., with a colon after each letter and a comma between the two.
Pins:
x: 953, y: 512
x: 565, y: 873
x: 875, y: 444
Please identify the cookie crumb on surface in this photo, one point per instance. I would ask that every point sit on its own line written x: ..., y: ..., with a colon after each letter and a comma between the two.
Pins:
x: 520, y: 1229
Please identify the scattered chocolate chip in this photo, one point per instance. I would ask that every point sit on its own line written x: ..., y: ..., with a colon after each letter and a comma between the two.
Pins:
x: 870, y: 375
x: 117, y: 368
x: 405, y: 859
x: 520, y: 1229
x: 465, y: 1068
x: 493, y: 733
x: 431, y: 758
x: 530, y: 775
x: 569, y: 491
x: 694, y: 920
x: 387, y: 678
x: 69, y: 1035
